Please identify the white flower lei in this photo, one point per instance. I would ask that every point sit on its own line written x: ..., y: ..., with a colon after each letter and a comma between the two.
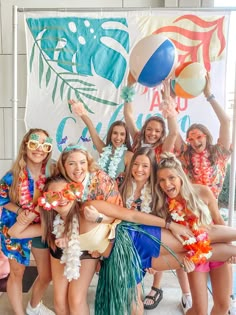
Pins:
x: 146, y: 197
x: 71, y: 254
x: 111, y: 167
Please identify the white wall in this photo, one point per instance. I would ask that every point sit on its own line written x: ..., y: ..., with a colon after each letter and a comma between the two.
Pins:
x: 6, y: 71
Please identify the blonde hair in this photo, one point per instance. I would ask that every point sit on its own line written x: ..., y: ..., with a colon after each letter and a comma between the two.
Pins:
x: 126, y: 186
x: 60, y: 169
x: 20, y: 163
x: 187, y: 191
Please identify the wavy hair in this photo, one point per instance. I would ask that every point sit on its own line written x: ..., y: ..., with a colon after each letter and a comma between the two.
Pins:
x: 20, y: 163
x: 126, y: 186
x: 141, y: 137
x: 60, y: 168
x: 187, y: 191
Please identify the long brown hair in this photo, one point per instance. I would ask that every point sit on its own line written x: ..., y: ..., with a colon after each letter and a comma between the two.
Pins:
x: 21, y: 163
x: 125, y: 187
x: 127, y: 134
x: 209, y: 147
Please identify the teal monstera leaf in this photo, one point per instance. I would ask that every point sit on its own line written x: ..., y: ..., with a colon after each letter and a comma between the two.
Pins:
x: 82, y: 47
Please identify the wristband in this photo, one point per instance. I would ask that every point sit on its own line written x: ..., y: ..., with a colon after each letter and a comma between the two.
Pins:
x: 168, y: 222
x: 210, y: 97
x: 18, y: 209
x: 128, y: 93
x: 99, y: 218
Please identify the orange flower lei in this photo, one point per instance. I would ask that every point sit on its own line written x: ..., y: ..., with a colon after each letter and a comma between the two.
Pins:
x: 198, y: 247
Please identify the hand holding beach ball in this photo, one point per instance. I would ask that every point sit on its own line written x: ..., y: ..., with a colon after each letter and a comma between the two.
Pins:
x: 190, y: 80
x: 152, y: 60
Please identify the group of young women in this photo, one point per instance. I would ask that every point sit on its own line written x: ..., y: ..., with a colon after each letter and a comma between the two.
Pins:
x: 157, y: 219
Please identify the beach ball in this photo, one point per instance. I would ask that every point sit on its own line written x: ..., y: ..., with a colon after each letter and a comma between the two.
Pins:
x: 152, y: 60
x: 190, y: 80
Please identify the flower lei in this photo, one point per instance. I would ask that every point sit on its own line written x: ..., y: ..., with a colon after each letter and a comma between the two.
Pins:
x: 198, y: 247
x: 108, y: 162
x: 202, y: 169
x: 71, y: 253
x: 146, y: 198
x: 25, y: 199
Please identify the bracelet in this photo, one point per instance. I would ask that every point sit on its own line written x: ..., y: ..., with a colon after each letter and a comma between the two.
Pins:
x: 128, y: 93
x: 168, y: 222
x: 99, y: 218
x: 210, y: 97
x: 18, y: 209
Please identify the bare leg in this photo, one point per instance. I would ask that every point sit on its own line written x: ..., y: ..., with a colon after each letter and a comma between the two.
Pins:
x: 14, y: 286
x: 221, y: 278
x: 137, y: 307
x: 149, y: 303
x: 222, y: 234
x: 60, y: 287
x: 78, y: 289
x: 42, y: 258
x: 198, y: 285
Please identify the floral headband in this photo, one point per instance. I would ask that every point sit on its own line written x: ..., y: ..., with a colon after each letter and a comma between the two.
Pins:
x: 76, y: 147
x: 50, y: 199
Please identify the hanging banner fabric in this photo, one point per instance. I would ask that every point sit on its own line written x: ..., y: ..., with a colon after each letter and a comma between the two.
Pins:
x: 85, y: 56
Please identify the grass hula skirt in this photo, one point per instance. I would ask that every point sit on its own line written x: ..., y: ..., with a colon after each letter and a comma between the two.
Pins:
x: 116, y: 289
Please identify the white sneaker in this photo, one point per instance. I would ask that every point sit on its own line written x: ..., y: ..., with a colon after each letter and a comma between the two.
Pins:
x: 186, y: 302
x: 232, y: 309
x: 40, y: 309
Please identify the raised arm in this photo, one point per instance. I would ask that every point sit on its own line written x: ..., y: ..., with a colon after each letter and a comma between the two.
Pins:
x: 128, y: 106
x: 168, y: 109
x: 224, y: 133
x: 79, y: 110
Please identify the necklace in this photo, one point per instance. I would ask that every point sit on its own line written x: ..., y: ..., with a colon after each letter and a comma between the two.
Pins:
x: 145, y: 197
x: 202, y: 169
x: 109, y: 162
x: 25, y: 199
x: 198, y: 247
x: 71, y: 253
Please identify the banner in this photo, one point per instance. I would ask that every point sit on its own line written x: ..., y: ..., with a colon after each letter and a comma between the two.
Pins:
x: 85, y: 56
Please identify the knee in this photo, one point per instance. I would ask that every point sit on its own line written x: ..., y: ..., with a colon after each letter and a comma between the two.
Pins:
x: 44, y: 277
x: 221, y: 307
x: 17, y: 273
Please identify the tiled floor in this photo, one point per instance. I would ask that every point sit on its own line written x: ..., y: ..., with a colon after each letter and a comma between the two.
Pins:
x: 168, y: 306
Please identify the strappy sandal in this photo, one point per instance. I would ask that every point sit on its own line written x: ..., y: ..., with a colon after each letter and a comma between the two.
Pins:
x: 156, y: 298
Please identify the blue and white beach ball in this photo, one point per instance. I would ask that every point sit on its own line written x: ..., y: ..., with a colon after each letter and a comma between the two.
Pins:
x: 153, y: 59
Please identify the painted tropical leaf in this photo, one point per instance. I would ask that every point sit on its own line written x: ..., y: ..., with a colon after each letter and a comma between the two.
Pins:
x: 204, y: 42
x: 80, y: 44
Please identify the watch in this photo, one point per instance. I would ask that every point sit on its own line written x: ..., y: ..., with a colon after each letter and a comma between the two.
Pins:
x: 99, y: 218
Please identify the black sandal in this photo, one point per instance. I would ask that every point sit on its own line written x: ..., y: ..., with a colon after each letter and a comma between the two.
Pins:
x: 156, y: 298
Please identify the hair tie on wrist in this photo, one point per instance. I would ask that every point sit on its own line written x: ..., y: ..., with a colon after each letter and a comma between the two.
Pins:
x: 127, y: 93
x: 210, y: 97
x: 17, y: 211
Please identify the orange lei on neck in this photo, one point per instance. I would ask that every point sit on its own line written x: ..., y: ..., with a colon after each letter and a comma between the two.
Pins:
x: 198, y: 247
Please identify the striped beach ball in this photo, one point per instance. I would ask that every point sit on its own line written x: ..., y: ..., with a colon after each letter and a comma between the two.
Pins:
x: 190, y: 80
x: 152, y: 60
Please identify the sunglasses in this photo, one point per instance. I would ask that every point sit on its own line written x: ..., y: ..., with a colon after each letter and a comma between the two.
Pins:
x: 35, y: 144
x: 196, y: 137
x: 50, y: 199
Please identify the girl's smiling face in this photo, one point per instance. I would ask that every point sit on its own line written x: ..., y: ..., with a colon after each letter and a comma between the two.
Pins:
x: 76, y: 166
x: 141, y: 169
x: 197, y: 140
x: 64, y: 205
x: 169, y: 182
x: 153, y: 132
x: 118, y: 136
